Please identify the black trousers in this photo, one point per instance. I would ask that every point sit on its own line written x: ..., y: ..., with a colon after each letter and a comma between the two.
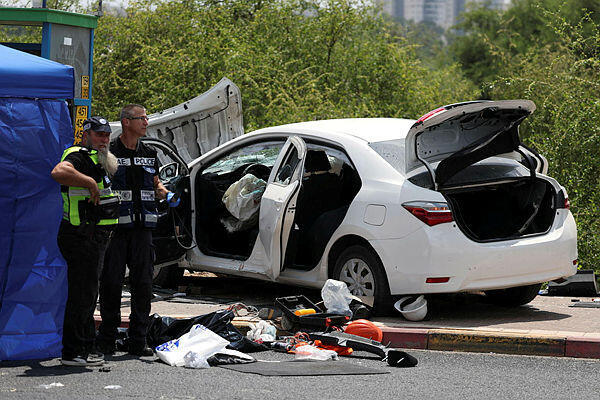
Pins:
x: 84, y: 254
x: 131, y: 247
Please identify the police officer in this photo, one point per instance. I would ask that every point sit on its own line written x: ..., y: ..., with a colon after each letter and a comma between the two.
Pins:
x: 90, y: 213
x: 136, y: 181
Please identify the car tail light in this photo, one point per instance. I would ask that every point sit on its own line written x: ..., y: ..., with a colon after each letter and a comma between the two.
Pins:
x: 575, y: 262
x: 563, y: 199
x: 430, y: 114
x: 432, y: 213
x: 438, y: 280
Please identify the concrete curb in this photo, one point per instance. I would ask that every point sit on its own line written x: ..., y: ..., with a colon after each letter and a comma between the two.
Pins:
x: 475, y: 341
x: 492, y: 342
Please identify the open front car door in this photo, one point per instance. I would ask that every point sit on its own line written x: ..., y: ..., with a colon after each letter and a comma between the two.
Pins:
x: 278, y: 204
x: 172, y: 235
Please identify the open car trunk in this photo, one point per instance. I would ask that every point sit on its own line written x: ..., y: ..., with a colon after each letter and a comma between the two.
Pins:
x: 503, y: 210
x: 471, y: 152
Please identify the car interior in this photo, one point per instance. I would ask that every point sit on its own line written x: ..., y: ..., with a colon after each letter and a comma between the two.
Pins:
x: 329, y: 184
x: 497, y: 199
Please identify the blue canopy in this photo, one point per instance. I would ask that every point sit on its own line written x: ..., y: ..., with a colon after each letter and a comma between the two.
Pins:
x: 34, y: 131
x: 26, y: 75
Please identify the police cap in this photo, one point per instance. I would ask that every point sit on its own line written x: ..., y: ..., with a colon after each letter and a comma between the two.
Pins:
x: 97, y: 124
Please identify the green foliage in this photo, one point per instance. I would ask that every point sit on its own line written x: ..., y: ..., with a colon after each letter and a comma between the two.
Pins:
x: 293, y: 60
x: 565, y: 128
x: 559, y: 69
x: 33, y: 34
x: 488, y: 41
x: 20, y: 34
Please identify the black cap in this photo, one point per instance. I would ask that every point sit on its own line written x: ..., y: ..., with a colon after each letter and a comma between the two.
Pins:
x: 97, y: 124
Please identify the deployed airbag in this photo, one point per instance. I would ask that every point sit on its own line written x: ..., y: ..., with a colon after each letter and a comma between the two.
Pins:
x: 242, y: 200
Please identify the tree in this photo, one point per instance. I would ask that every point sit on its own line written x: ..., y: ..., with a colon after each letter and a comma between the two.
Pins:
x: 488, y: 40
x: 294, y: 60
x: 563, y: 79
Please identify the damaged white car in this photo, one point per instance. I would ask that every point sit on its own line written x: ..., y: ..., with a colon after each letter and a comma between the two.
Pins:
x: 452, y: 202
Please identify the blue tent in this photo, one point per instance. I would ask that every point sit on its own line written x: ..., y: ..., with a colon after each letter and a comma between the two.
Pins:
x: 35, y: 128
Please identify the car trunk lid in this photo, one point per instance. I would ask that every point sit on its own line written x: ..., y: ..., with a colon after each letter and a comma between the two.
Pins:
x: 459, y: 135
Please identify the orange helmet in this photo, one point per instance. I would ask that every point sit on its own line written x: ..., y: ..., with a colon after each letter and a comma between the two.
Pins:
x: 364, y: 328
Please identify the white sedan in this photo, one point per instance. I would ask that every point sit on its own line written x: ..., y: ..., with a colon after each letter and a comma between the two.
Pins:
x: 451, y: 202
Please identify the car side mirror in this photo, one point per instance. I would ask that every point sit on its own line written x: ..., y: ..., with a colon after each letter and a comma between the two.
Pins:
x: 169, y: 171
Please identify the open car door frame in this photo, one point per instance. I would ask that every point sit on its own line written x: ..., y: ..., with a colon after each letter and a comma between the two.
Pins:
x: 278, y: 203
x: 167, y: 238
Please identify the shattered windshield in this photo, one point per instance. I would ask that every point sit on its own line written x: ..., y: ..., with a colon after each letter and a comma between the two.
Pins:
x: 264, y: 153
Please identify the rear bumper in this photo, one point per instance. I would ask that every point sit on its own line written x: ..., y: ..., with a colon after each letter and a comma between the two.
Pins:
x: 444, y: 251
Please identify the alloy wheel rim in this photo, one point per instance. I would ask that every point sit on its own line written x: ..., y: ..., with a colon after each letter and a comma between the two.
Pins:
x: 357, y: 274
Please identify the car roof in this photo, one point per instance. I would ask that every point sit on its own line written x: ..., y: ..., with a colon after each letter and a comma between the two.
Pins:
x: 368, y: 129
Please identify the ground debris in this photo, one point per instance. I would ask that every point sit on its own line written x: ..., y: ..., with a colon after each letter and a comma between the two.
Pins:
x: 51, y: 385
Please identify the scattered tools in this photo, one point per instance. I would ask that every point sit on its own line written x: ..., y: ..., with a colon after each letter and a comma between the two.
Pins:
x: 357, y: 343
x: 298, y: 315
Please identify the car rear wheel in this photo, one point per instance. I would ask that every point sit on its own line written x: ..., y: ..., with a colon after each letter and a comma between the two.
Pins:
x: 513, y: 297
x: 168, y: 276
x: 362, y: 271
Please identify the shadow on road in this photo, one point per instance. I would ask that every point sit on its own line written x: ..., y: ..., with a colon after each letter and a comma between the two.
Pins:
x: 459, y: 309
x: 472, y: 310
x: 38, y: 369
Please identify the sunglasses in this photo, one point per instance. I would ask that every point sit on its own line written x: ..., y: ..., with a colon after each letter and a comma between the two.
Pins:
x: 145, y: 118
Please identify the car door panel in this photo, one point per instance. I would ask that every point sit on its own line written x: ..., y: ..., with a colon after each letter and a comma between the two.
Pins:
x: 278, y: 204
x: 173, y: 231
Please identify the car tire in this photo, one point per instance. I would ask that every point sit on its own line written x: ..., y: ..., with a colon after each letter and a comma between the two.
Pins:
x: 167, y: 277
x: 363, y: 272
x: 513, y: 297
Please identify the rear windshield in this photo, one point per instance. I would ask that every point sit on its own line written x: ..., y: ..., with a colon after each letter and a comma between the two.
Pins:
x: 391, y: 151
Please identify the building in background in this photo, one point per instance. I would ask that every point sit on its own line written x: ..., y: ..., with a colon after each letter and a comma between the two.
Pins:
x: 443, y: 13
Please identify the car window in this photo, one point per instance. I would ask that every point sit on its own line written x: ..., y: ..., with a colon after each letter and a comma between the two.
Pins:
x: 286, y: 171
x: 393, y: 152
x: 336, y: 160
x: 264, y: 153
x: 169, y: 167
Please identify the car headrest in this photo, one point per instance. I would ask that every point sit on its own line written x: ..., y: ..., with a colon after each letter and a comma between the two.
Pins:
x: 316, y: 161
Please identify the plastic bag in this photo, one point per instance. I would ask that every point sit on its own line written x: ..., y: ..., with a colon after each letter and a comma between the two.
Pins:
x: 262, y: 331
x: 164, y: 329
x: 199, y: 340
x: 195, y: 360
x: 242, y: 198
x: 336, y: 297
x: 309, y: 352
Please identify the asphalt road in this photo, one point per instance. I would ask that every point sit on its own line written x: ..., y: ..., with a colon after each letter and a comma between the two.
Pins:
x: 439, y: 375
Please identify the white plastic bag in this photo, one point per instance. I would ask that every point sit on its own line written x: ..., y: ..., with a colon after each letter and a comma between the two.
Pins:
x: 242, y: 198
x: 195, y: 360
x: 336, y: 297
x: 199, y: 340
x: 310, y: 352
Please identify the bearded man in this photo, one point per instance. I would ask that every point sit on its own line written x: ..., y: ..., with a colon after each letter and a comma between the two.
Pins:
x: 90, y: 214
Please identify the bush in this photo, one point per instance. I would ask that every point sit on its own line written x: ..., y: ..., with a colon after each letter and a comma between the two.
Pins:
x: 563, y: 79
x: 293, y: 60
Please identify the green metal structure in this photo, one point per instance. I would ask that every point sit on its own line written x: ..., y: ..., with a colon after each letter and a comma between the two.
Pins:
x: 67, y: 38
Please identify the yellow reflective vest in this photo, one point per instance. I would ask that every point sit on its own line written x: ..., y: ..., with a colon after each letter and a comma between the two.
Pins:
x: 76, y: 206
